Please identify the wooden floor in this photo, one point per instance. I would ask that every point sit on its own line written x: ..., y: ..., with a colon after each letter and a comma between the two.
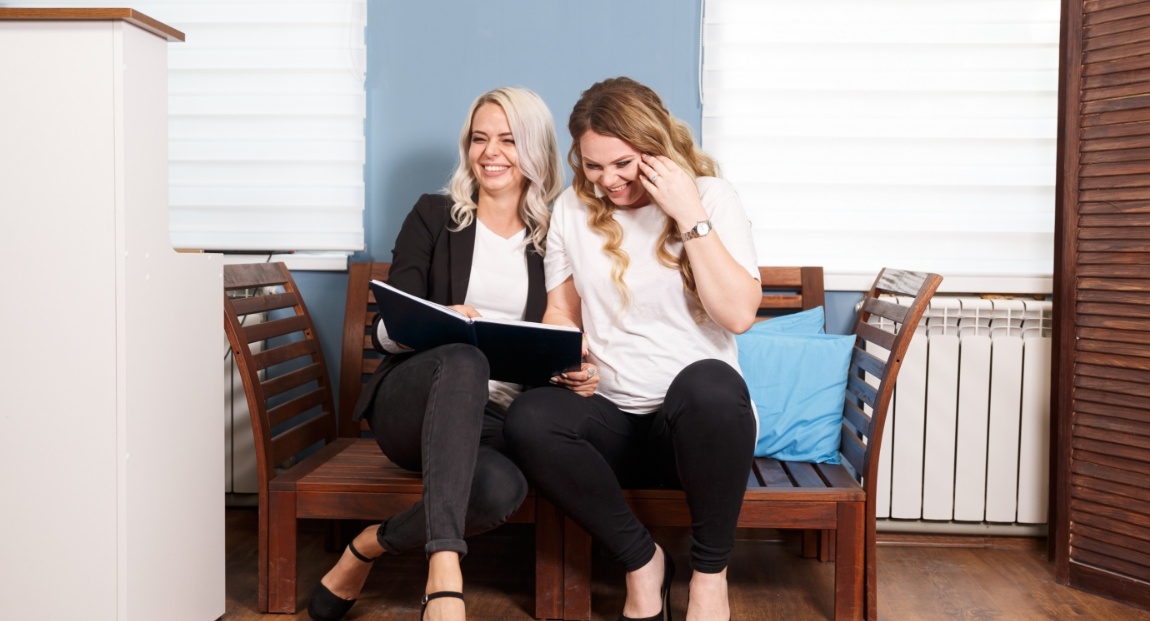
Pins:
x: 1006, y: 580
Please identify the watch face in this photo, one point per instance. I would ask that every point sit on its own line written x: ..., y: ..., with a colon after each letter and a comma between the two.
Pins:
x: 703, y: 228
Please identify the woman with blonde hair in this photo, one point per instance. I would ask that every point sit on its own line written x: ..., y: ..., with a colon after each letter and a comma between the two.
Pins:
x: 671, y: 409
x: 478, y: 249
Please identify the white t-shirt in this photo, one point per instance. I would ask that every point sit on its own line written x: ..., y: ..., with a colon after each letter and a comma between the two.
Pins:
x: 640, y: 349
x: 497, y: 288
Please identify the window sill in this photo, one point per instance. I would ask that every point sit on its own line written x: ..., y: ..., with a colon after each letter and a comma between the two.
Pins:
x: 295, y: 261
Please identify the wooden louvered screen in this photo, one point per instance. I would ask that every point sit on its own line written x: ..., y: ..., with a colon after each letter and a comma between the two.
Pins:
x: 1100, y: 534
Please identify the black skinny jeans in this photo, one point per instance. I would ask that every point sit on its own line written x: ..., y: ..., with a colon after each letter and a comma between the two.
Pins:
x: 581, y: 452
x: 431, y: 415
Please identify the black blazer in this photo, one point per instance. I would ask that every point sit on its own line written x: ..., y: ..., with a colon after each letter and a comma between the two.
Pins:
x: 434, y: 263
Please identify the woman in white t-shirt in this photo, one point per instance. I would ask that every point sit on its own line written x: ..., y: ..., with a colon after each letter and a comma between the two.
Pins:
x: 479, y: 250
x: 651, y: 255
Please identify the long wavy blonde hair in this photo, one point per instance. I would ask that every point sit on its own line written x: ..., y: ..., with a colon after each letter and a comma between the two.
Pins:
x: 625, y: 109
x: 538, y: 159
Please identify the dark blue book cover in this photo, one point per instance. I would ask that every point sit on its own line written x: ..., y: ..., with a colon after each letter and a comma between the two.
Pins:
x: 520, y: 352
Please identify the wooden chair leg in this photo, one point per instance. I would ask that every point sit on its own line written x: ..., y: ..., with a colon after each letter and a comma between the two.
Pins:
x: 850, y: 572
x: 281, y: 575
x: 871, y: 588
x: 576, y: 572
x: 549, y: 590
x: 262, y: 561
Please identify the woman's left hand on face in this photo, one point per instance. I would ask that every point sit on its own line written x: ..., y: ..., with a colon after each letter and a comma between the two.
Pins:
x: 582, y: 382
x: 673, y: 190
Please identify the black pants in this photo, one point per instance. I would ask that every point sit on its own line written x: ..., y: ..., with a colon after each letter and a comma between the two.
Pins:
x: 431, y: 415
x: 581, y: 452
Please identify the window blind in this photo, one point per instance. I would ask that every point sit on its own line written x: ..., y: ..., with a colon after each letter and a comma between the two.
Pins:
x: 266, y: 112
x: 905, y: 133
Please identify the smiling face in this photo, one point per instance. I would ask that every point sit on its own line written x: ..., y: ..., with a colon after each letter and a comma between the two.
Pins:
x: 492, y: 154
x: 613, y: 166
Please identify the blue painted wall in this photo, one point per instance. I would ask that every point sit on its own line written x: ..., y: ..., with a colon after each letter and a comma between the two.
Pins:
x: 427, y: 61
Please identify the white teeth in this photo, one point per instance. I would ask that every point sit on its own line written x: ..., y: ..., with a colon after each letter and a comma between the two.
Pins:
x: 616, y: 189
x: 495, y: 168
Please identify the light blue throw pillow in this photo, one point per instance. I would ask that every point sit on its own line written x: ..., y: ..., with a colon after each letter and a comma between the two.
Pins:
x: 797, y: 378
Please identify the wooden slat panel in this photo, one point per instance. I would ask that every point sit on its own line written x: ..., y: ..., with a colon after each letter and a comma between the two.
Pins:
x: 886, y: 310
x: 1118, y: 220
x: 1118, y: 539
x: 867, y: 361
x: 858, y: 388
x: 804, y: 474
x: 288, y: 381
x: 289, y: 443
x: 900, y: 282
x: 837, y: 476
x: 1108, y: 398
x: 1110, y: 492
x: 1117, y: 41
x: 1095, y: 26
x: 1113, y: 355
x: 856, y: 417
x: 1088, y: 409
x: 294, y: 407
x: 1131, y: 389
x: 1128, y: 165
x: 1100, y: 12
x: 771, y: 473
x: 853, y: 449
x: 1087, y: 514
x: 1107, y: 460
x: 275, y: 328
x: 264, y: 303
x: 255, y: 275
x: 283, y: 353
x: 1096, y: 160
x: 1127, y: 562
x: 873, y: 334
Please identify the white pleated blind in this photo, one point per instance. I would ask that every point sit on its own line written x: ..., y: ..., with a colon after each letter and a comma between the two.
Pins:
x: 266, y: 123
x: 908, y: 133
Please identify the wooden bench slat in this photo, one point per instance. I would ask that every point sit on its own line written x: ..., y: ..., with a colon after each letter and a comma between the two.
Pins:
x: 282, y: 383
x: 886, y: 310
x: 264, y: 303
x: 771, y: 473
x: 854, y: 416
x: 804, y: 475
x: 872, y: 334
x: 859, y: 389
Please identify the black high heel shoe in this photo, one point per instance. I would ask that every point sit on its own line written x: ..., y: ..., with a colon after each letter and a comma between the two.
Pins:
x: 437, y: 595
x: 327, y: 606
x: 668, y: 574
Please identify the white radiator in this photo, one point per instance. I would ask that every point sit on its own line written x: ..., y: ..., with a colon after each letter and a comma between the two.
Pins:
x: 967, y: 437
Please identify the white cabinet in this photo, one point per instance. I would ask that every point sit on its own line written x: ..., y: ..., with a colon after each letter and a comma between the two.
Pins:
x: 110, y: 396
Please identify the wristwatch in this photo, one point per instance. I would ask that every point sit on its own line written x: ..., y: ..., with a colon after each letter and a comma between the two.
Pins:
x: 702, y: 227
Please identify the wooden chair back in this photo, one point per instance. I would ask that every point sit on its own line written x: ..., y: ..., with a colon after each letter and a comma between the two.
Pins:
x: 292, y: 407
x: 788, y: 289
x: 883, y: 331
x: 358, y: 359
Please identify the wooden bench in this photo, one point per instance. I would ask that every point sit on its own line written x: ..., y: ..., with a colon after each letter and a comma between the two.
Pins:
x: 349, y: 478
x: 562, y: 592
x: 816, y: 498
